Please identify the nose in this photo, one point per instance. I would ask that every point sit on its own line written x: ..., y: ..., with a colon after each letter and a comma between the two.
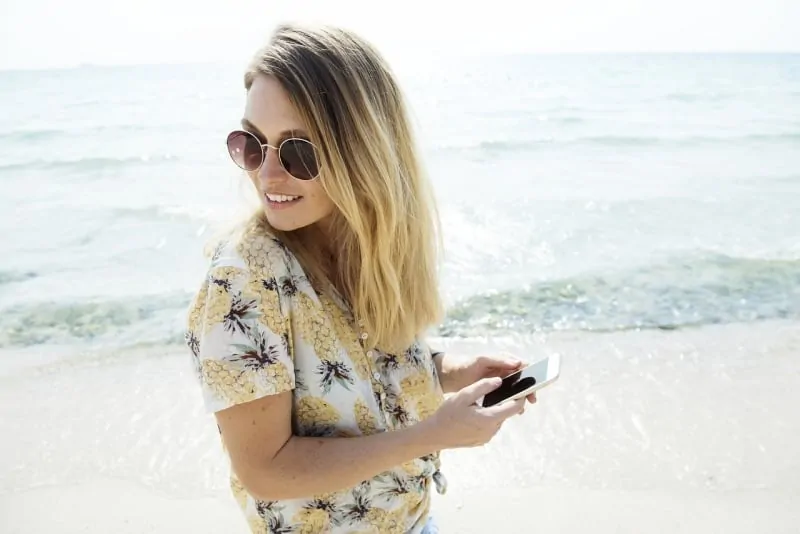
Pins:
x: 271, y: 169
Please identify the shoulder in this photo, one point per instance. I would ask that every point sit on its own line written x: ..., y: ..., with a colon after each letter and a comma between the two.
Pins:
x: 243, y: 278
x: 254, y: 251
x: 238, y: 325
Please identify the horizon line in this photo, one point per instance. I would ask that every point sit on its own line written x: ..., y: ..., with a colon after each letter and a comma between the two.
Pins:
x: 423, y: 57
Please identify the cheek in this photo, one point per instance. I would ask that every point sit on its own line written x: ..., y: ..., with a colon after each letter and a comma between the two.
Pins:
x: 317, y: 195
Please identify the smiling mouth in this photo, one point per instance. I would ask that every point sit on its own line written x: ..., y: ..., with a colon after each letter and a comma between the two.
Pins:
x: 274, y: 199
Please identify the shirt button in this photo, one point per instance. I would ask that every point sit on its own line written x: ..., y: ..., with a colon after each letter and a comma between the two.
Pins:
x: 377, y: 376
x: 370, y: 353
x: 383, y: 396
x: 364, y: 335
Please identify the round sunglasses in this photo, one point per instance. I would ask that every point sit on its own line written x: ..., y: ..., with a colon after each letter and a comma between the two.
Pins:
x: 298, y: 157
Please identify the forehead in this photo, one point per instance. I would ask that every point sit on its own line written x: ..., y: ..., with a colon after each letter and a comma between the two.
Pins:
x: 269, y: 108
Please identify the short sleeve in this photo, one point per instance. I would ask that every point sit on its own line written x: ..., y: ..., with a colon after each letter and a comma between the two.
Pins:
x: 239, y: 338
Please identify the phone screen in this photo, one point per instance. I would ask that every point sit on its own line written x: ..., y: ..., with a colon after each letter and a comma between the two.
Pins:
x: 516, y: 383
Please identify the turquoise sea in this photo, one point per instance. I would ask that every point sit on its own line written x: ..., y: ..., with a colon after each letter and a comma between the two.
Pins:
x: 595, y: 193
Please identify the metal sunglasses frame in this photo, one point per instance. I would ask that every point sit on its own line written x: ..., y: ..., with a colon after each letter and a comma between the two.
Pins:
x: 276, y: 149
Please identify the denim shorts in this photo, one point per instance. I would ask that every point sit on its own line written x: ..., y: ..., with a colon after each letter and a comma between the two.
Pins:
x: 430, y: 527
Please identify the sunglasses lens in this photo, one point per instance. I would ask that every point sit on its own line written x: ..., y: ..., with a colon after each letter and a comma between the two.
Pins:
x: 245, y: 150
x: 299, y: 159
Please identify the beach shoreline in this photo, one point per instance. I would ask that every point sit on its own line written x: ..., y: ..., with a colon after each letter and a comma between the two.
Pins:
x: 656, y: 431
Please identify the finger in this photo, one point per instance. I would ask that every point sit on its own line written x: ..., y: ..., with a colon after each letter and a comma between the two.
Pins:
x: 503, y: 362
x: 532, y: 398
x: 500, y: 372
x: 513, y: 363
x: 475, y: 391
x: 505, y: 410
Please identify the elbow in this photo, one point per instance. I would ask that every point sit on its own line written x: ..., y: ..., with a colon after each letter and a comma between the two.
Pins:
x: 259, y: 484
x: 264, y: 484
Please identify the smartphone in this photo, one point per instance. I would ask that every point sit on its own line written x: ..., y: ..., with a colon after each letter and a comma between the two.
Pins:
x: 525, y: 381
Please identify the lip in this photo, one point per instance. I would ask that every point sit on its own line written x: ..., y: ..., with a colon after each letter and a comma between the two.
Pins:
x: 281, y: 205
x: 281, y: 193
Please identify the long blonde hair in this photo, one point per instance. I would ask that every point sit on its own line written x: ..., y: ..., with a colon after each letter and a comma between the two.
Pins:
x: 385, y: 228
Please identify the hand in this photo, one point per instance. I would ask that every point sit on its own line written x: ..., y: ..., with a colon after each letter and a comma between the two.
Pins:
x: 460, y: 422
x: 457, y: 373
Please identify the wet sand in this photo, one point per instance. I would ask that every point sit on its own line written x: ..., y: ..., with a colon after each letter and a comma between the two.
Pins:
x: 682, y: 431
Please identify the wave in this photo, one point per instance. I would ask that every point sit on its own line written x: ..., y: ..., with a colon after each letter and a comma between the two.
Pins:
x: 544, y: 115
x: 46, y: 134
x: 683, y: 292
x: 698, y: 97
x: 30, y: 135
x: 791, y: 136
x: 151, y: 318
x: 621, y: 140
x: 786, y: 179
x: 535, y: 144
x: 9, y: 277
x: 87, y: 164
x: 509, y: 146
x: 616, y: 141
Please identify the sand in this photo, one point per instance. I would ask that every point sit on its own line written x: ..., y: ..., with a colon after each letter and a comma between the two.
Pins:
x: 123, y: 508
x: 688, y: 431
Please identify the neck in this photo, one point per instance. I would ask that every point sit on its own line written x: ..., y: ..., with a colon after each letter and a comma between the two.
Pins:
x: 322, y: 243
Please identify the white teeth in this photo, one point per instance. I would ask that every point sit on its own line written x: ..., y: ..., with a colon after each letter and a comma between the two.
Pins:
x: 281, y: 198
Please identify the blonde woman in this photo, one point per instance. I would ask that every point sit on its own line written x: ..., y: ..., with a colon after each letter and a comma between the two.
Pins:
x: 307, y: 331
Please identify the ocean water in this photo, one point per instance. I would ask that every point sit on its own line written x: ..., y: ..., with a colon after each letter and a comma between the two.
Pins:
x: 592, y: 193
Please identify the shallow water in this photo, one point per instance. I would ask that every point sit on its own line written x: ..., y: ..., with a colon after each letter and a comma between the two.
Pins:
x: 577, y: 193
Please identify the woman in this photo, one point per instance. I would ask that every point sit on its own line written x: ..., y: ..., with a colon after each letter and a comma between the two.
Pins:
x: 307, y: 332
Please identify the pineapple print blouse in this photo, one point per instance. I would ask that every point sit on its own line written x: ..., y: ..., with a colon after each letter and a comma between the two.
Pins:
x: 257, y: 327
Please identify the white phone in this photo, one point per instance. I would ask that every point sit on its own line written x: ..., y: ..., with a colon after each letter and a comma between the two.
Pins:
x: 525, y: 381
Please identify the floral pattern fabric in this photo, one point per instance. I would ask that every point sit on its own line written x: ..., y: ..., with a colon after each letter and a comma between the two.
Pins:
x: 257, y: 327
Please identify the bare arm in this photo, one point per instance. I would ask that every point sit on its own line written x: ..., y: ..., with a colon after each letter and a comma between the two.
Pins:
x: 272, y: 464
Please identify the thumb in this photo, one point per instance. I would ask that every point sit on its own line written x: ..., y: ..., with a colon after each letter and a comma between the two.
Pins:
x: 504, y: 410
x: 476, y: 390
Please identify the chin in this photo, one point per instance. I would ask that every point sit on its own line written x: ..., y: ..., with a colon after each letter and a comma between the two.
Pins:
x: 279, y: 224
x: 283, y: 224
x: 288, y: 220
